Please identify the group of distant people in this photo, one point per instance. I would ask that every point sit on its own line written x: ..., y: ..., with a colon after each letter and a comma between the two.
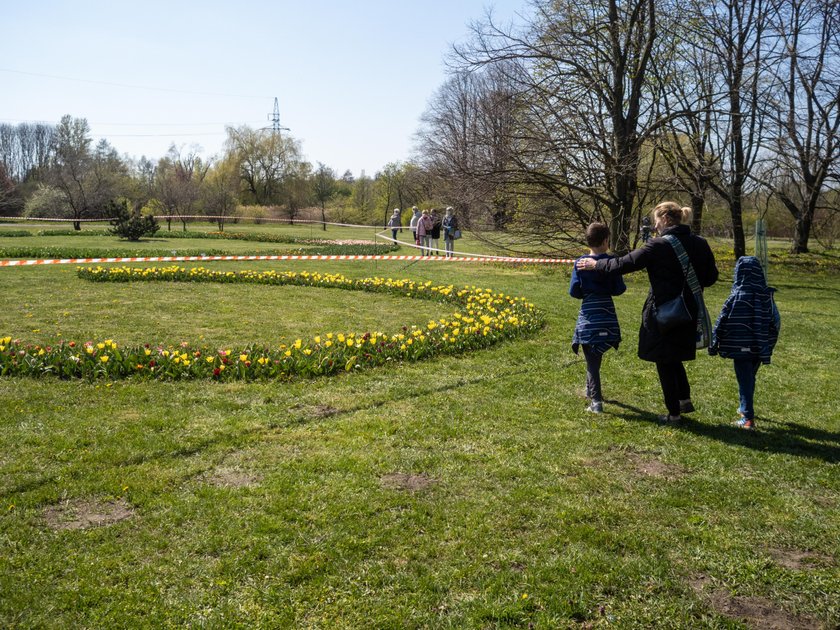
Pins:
x: 426, y: 228
x: 679, y: 264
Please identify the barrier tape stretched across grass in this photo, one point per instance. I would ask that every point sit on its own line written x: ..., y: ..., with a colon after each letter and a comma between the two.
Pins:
x: 485, y: 318
x: 312, y: 257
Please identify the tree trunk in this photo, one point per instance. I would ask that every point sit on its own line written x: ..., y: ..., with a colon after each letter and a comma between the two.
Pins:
x: 801, y: 233
x: 77, y: 225
x: 697, y: 204
x: 737, y: 213
x: 324, y: 216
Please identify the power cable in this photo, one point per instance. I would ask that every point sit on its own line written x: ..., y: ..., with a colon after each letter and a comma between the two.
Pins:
x: 131, y: 86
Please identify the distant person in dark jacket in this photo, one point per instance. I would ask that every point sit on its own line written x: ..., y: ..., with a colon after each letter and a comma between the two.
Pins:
x: 747, y: 330
x: 597, y: 327
x: 395, y: 223
x: 667, y: 280
x: 450, y: 227
x: 434, y: 233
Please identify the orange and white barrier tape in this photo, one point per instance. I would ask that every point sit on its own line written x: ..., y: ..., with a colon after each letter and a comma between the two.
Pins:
x: 87, y: 261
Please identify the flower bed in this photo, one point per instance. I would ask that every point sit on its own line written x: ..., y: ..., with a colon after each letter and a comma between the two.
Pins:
x: 97, y: 252
x: 484, y: 318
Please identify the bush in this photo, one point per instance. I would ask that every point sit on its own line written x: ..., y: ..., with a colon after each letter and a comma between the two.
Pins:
x: 132, y: 225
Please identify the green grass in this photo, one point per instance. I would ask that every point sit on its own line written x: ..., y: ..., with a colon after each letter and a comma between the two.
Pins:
x: 605, y: 521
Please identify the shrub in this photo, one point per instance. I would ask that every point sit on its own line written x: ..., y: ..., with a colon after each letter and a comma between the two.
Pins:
x: 132, y: 225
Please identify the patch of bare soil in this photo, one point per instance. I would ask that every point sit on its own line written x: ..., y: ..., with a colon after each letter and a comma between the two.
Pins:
x: 799, y: 560
x: 646, y: 463
x: 324, y: 411
x: 403, y: 481
x: 231, y: 478
x: 86, y: 513
x: 758, y: 612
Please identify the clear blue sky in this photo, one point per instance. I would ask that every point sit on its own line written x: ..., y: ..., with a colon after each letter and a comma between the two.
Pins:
x: 352, y: 78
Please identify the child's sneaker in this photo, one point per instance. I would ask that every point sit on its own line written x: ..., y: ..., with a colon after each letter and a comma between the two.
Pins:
x: 686, y: 406
x: 596, y: 406
x: 745, y: 423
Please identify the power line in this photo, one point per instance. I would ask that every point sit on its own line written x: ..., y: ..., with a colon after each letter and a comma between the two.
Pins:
x: 128, y: 85
x: 158, y: 135
x: 116, y: 124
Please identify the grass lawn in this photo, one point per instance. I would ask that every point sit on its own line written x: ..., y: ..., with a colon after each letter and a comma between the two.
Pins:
x: 463, y: 492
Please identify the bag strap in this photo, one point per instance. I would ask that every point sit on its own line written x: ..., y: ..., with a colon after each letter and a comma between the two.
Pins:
x: 703, y: 319
x: 688, y: 269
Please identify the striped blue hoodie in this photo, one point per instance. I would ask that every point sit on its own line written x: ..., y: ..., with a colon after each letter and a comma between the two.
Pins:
x: 748, y: 325
x: 597, y: 323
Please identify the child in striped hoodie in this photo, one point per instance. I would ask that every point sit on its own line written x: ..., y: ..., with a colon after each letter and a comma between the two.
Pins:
x: 747, y: 330
x: 597, y: 327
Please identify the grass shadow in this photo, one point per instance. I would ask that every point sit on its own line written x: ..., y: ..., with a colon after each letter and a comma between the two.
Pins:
x: 774, y: 436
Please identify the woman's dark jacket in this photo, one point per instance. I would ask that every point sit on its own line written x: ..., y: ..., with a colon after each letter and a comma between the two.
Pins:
x: 667, y: 280
x: 436, y: 223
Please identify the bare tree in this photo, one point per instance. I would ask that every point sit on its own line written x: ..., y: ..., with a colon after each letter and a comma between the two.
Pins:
x: 804, y: 115
x: 178, y: 183
x: 88, y: 179
x: 575, y: 103
x: 735, y: 32
x: 689, y: 99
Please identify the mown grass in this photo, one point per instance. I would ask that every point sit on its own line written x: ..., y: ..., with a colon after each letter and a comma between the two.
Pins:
x: 530, y: 511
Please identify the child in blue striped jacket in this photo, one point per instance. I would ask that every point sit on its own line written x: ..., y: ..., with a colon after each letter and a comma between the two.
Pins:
x: 597, y: 327
x: 747, y: 330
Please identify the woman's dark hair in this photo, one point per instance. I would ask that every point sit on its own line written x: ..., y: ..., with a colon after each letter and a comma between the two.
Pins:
x: 596, y: 234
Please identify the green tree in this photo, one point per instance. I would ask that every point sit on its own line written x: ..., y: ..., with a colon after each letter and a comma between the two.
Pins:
x: 266, y: 161
x: 131, y: 225
x: 221, y: 190
x: 324, y: 188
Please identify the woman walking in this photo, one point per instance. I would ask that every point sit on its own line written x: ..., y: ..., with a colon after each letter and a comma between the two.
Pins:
x: 669, y: 277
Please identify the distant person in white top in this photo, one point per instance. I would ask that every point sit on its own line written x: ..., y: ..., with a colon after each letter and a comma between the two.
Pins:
x: 413, y: 225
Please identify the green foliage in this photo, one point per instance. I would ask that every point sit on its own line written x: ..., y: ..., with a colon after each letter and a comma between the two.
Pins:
x: 485, y: 319
x: 469, y: 491
x: 131, y: 225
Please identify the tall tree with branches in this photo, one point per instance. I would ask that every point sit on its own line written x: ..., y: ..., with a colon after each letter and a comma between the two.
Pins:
x: 583, y: 103
x: 804, y: 113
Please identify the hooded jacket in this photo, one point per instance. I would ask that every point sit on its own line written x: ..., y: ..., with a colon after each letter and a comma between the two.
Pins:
x: 749, y: 322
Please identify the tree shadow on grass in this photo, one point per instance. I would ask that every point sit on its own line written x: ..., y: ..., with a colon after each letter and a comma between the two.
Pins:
x: 773, y: 436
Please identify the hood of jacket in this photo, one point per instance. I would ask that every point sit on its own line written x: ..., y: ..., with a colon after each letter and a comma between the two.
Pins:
x: 749, y: 274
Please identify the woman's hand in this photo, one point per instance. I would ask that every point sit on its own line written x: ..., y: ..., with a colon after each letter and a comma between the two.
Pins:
x: 585, y: 264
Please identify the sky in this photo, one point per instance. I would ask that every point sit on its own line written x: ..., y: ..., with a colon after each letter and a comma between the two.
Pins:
x: 351, y: 78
